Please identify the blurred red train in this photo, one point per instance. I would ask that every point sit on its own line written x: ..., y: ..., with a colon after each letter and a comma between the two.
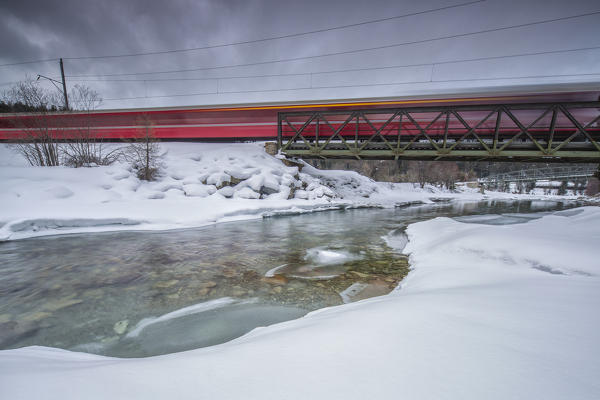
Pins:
x: 259, y: 121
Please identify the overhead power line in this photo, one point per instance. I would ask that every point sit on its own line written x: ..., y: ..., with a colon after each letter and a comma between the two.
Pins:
x: 287, y: 36
x: 292, y: 35
x: 351, y: 86
x: 384, y: 67
x: 29, y: 62
x: 537, y: 53
x: 460, y: 35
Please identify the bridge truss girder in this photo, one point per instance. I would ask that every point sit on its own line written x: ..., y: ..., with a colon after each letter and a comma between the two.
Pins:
x: 547, y: 132
x: 554, y: 173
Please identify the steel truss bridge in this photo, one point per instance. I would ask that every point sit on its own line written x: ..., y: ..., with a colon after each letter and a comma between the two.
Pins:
x: 546, y: 132
x: 538, y: 174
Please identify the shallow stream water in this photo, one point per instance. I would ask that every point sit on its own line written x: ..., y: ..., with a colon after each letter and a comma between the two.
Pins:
x: 136, y: 294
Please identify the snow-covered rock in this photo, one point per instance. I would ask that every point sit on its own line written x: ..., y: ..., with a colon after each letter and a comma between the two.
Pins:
x: 218, y: 179
x: 199, y: 190
x: 246, y: 193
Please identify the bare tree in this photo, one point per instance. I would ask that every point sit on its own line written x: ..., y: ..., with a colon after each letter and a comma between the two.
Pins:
x: 38, y: 135
x: 448, y: 174
x: 593, y: 186
x: 84, y: 147
x: 144, y: 153
x: 417, y: 172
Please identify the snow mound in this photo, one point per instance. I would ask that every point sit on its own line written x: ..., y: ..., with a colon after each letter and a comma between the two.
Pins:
x: 60, y: 192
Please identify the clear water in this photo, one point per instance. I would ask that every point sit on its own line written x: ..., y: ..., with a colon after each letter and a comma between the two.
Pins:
x: 135, y: 294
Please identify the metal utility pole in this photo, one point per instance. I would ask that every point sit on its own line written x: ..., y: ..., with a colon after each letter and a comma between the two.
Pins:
x: 64, y: 85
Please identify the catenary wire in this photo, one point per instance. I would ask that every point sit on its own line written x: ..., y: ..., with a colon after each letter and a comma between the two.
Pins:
x: 291, y: 35
x: 537, y: 53
x: 341, y: 52
x: 351, y: 86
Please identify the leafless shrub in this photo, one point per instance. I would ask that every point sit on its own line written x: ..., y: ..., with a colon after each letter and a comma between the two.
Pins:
x: 439, y: 173
x: 83, y: 147
x: 417, y: 172
x: 593, y: 187
x: 144, y: 154
x: 46, y: 137
x: 38, y: 139
x: 447, y: 174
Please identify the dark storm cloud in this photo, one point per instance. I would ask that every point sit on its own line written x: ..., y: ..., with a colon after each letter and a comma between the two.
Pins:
x: 33, y: 30
x: 74, y: 28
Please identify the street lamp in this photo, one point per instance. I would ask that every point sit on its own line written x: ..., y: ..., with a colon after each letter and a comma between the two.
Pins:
x: 54, y: 82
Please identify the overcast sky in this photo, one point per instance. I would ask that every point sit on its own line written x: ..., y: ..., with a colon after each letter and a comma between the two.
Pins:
x: 37, y: 30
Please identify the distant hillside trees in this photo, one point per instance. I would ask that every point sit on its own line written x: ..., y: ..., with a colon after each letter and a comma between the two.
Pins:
x: 6, y: 106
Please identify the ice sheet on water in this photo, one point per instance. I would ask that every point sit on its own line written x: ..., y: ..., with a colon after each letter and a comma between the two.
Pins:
x: 185, y: 330
x: 193, y: 309
x: 499, y: 219
x: 205, y: 329
x: 329, y: 256
x: 308, y: 271
x: 271, y: 273
x: 529, y: 216
x: 569, y: 213
x: 351, y: 291
x: 396, y: 239
x: 321, y: 263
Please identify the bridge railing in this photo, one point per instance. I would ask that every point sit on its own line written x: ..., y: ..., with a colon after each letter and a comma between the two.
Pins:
x: 540, y: 131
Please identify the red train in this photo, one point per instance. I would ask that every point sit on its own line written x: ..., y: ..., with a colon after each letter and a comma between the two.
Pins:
x: 251, y: 121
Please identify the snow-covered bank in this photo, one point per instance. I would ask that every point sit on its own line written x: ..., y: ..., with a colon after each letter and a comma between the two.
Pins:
x: 494, y: 312
x: 201, y: 184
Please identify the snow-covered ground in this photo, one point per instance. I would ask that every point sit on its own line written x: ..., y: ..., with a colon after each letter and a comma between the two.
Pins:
x: 487, y: 312
x: 201, y: 184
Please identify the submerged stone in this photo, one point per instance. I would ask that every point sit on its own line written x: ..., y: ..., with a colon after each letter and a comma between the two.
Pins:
x: 5, y: 318
x: 35, y: 316
x: 121, y: 326
x: 275, y: 280
x: 359, y: 274
x: 165, y: 284
x: 61, y: 303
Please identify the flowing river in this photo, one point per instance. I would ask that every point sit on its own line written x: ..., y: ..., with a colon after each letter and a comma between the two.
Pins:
x: 137, y: 294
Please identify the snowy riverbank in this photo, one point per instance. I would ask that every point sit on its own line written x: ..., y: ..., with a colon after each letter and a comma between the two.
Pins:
x: 495, y: 312
x: 201, y: 184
